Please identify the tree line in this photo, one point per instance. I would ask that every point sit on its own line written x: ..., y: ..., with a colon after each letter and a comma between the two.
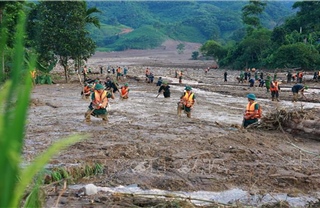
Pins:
x: 56, y: 31
x: 294, y: 44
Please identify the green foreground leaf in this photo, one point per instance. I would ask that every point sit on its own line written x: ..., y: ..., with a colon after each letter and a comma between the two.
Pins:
x: 38, y: 164
x: 14, y: 103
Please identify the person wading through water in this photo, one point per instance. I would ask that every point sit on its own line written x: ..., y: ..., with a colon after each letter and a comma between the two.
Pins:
x: 124, y: 91
x: 253, y: 111
x: 119, y: 73
x: 275, y: 88
x: 111, y: 85
x: 86, y: 91
x: 187, y: 100
x: 147, y: 73
x: 99, y: 103
x: 165, y: 88
x: 296, y: 89
x: 180, y: 77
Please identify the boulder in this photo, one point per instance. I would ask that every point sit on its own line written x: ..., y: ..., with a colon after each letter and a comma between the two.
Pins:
x: 91, y: 189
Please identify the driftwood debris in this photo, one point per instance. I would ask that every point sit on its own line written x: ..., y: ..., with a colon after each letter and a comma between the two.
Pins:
x: 53, y: 106
x: 305, y: 121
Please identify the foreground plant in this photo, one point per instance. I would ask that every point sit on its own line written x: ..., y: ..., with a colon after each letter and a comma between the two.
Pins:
x: 14, y: 102
x: 72, y: 174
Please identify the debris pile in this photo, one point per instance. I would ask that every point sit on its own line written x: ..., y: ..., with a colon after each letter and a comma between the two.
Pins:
x: 305, y: 121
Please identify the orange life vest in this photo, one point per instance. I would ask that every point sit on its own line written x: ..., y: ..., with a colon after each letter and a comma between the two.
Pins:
x: 124, y: 90
x: 250, y: 110
x: 119, y: 70
x: 100, y: 99
x: 86, y: 90
x: 187, y: 99
x: 274, y: 86
x: 300, y: 75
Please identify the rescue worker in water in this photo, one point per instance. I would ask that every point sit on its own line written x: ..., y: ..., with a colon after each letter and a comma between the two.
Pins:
x: 99, y: 103
x: 187, y: 101
x: 253, y: 111
x: 124, y: 91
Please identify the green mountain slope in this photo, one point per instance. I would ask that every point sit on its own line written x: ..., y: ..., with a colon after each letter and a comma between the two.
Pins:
x: 152, y: 22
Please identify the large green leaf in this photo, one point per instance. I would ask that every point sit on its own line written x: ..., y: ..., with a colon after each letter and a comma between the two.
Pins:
x: 14, y: 103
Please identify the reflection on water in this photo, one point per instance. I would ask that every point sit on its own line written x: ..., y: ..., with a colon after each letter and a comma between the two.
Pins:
x: 202, y: 197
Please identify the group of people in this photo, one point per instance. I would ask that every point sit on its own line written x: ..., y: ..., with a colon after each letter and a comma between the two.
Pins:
x: 271, y: 84
x: 274, y: 87
x: 257, y: 79
x: 258, y: 76
x: 113, y: 70
x: 245, y: 76
x: 121, y: 72
x: 100, y: 93
x: 298, y: 77
x: 253, y: 110
x: 187, y: 99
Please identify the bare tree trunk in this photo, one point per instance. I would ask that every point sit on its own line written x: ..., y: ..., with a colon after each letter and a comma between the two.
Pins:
x: 64, y: 63
x: 66, y: 73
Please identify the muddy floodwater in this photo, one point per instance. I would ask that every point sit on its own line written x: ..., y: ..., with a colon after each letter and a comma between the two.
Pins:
x: 146, y: 146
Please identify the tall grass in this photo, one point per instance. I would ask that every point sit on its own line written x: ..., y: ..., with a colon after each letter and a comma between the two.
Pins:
x: 14, y: 102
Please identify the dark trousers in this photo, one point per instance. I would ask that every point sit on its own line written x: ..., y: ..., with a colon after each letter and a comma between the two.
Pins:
x: 274, y: 94
x: 247, y: 122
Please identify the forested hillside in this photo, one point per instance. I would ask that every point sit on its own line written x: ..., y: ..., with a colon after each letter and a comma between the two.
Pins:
x: 146, y: 24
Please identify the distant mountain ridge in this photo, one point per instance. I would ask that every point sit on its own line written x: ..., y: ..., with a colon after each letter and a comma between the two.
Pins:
x: 153, y: 22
